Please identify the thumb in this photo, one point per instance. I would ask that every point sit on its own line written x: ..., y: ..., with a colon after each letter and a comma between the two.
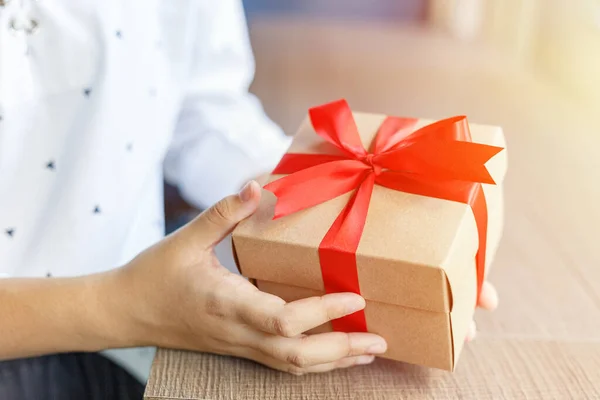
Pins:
x: 218, y: 221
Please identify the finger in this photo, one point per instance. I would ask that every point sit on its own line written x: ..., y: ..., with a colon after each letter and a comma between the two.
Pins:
x: 218, y: 221
x: 272, y: 315
x: 286, y: 367
x: 488, y: 299
x: 306, y: 351
x: 343, y: 363
x: 472, y: 332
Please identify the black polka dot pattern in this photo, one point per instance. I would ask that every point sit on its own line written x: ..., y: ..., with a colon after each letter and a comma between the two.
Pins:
x: 51, y: 163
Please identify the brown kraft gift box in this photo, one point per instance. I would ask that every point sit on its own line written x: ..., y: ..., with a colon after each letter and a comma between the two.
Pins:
x: 415, y: 259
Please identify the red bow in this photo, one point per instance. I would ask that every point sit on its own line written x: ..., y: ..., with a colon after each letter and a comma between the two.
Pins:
x: 438, y: 160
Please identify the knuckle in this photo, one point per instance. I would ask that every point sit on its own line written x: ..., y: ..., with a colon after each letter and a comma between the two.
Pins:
x: 297, y: 359
x: 349, y: 345
x: 221, y: 212
x: 282, y: 326
x: 345, y: 343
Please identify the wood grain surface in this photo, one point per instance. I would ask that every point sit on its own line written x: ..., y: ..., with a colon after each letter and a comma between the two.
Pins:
x: 490, y: 369
x: 544, y: 340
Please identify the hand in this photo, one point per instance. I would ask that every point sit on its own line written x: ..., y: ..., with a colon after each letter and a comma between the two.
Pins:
x: 488, y: 300
x: 181, y: 297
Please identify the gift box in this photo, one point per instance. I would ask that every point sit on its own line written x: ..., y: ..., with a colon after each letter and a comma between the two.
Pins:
x: 406, y: 212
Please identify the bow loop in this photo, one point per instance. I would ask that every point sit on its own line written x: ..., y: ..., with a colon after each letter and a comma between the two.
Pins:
x: 297, y: 192
x: 391, y: 133
x: 334, y: 122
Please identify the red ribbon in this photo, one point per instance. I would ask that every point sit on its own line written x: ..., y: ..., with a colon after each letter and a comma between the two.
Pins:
x: 439, y: 160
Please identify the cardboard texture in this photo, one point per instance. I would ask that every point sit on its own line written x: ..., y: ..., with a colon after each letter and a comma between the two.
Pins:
x: 415, y: 260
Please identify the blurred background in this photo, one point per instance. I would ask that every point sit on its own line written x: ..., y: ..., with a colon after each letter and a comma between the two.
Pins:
x: 530, y: 66
x: 424, y: 57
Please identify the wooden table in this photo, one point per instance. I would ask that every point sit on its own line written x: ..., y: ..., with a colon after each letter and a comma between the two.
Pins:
x: 544, y: 340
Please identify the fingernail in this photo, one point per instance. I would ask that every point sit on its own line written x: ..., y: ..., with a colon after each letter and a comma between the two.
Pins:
x: 246, y: 192
x: 377, y: 348
x: 363, y: 360
x: 354, y: 304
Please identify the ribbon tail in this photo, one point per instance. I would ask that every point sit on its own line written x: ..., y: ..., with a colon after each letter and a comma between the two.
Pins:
x: 442, y: 160
x: 479, y: 206
x: 337, y: 253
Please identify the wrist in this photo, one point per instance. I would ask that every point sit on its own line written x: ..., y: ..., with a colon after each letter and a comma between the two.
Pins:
x: 107, y: 318
x: 43, y: 316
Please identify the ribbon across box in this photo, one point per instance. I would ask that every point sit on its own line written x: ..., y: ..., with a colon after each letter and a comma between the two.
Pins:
x: 406, y: 212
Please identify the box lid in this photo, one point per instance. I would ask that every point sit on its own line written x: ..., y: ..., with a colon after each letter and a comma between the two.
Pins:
x: 412, y: 249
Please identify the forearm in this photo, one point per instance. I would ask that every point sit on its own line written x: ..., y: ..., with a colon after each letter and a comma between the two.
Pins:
x: 41, y: 316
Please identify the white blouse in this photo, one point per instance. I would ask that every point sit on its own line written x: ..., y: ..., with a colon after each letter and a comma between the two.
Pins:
x: 102, y: 99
